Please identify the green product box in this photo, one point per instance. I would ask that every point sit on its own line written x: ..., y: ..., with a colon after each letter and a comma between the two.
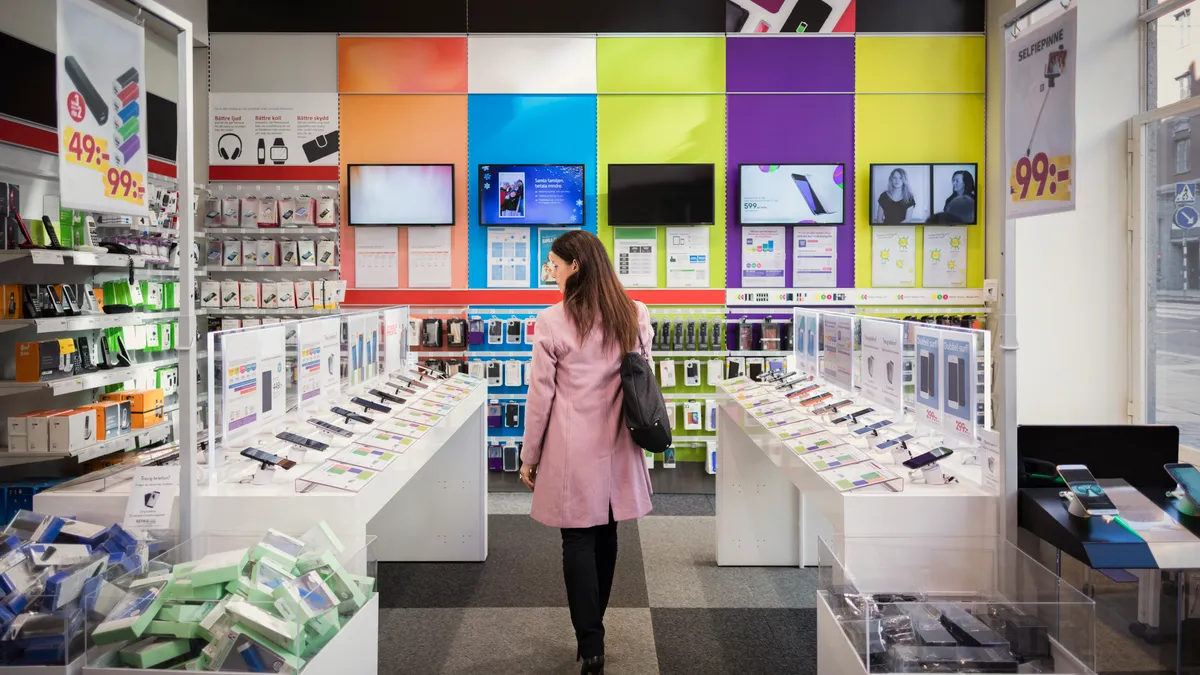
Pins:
x: 132, y: 615
x: 186, y: 589
x: 210, y: 625
x: 197, y: 664
x: 287, y: 635
x: 153, y: 651
x: 219, y: 568
x: 175, y: 629
x: 279, y: 547
x: 185, y: 613
x: 240, y: 636
x: 342, y: 584
x: 320, y: 631
x: 244, y: 587
x: 62, y: 229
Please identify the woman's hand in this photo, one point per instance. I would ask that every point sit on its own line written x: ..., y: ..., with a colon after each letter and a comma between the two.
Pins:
x: 529, y: 475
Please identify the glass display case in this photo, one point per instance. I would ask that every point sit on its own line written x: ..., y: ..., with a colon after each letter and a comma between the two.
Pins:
x: 947, y: 605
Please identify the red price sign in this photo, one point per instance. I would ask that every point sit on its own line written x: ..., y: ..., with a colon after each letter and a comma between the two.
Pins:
x: 124, y: 185
x: 84, y: 149
x: 1041, y: 178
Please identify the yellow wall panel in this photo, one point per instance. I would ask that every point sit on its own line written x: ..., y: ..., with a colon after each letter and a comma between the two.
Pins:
x: 920, y: 64
x: 659, y: 65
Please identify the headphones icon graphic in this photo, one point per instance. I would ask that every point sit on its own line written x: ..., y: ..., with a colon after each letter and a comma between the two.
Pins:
x: 236, y: 150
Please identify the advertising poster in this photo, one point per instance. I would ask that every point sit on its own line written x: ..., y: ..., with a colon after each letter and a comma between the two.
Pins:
x: 254, y: 385
x: 687, y: 257
x: 928, y: 391
x: 815, y: 257
x: 894, y: 257
x: 101, y: 109
x: 269, y: 129
x: 883, y: 363
x: 764, y: 257
x: 362, y: 346
x: 788, y: 16
x: 151, y: 498
x: 508, y: 257
x: 807, y: 340
x: 319, y: 343
x: 945, y: 251
x: 789, y: 194
x: 531, y: 194
x: 394, y: 338
x: 636, y: 253
x: 377, y: 257
x: 428, y: 256
x: 1039, y: 117
x: 837, y: 340
x: 958, y: 368
x: 546, y: 237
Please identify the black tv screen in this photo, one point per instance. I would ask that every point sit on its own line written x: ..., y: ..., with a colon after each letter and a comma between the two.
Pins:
x: 661, y: 194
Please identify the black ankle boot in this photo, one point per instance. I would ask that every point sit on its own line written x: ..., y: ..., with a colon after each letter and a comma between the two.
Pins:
x: 593, y: 665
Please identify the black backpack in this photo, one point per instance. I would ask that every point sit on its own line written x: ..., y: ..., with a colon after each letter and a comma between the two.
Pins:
x: 645, y: 409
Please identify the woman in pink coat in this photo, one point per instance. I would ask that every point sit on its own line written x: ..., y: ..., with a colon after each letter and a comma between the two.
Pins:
x: 578, y: 453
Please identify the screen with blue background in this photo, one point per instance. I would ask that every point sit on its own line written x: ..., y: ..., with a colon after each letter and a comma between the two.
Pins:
x: 531, y: 194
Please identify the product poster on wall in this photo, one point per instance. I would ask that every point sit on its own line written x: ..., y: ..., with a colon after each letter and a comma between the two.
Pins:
x: 894, y: 257
x: 1039, y: 117
x: 945, y: 263
x: 958, y: 366
x: 319, y: 343
x: 376, y: 257
x: 882, y: 361
x: 837, y: 338
x: 784, y: 16
x: 428, y: 256
x: 546, y: 237
x: 508, y: 257
x: 687, y: 257
x: 636, y: 253
x: 764, y: 257
x: 102, y: 161
x: 815, y: 257
x: 928, y: 392
x: 269, y: 129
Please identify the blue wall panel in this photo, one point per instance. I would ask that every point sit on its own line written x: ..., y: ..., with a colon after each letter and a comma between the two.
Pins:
x: 527, y: 129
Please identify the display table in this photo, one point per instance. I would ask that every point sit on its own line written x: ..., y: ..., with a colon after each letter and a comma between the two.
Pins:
x: 772, y: 506
x: 430, y: 504
x: 75, y: 667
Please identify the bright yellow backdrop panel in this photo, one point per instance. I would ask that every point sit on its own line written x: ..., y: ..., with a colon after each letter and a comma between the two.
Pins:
x: 660, y: 65
x: 920, y: 64
x: 667, y: 129
x: 915, y: 129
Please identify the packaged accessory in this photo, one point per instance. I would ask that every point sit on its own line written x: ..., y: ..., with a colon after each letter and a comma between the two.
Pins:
x: 512, y: 373
x: 456, y: 330
x: 667, y: 373
x: 710, y: 415
x: 691, y: 373
x: 691, y: 416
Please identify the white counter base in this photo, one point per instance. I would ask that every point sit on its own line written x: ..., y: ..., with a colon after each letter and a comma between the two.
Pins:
x: 73, y: 668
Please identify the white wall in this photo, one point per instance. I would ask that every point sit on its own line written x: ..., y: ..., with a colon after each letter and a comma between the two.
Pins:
x: 286, y: 63
x: 1072, y: 310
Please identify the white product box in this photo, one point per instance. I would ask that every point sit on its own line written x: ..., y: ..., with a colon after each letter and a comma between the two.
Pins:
x: 231, y: 255
x: 270, y: 295
x: 339, y: 292
x: 304, y: 294
x: 246, y: 323
x: 212, y: 212
x: 215, y: 249
x: 304, y: 211
x: 266, y: 253
x: 268, y: 214
x: 231, y: 213
x: 227, y: 324
x: 308, y: 252
x: 288, y: 254
x: 38, y: 438
x: 231, y: 294
x: 329, y: 293
x: 249, y: 253
x: 210, y: 294
x: 72, y: 431
x: 326, y: 211
x: 250, y: 294
x: 286, y: 291
x: 326, y: 252
x: 287, y: 211
x: 250, y: 209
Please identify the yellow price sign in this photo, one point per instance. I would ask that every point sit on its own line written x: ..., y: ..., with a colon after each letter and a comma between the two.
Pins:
x: 124, y: 185
x: 1041, y: 178
x: 84, y: 149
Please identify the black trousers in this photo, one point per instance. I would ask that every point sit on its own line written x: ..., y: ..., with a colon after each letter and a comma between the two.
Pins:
x: 589, y: 560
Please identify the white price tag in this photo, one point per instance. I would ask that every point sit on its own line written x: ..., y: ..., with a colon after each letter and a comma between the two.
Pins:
x: 46, y: 257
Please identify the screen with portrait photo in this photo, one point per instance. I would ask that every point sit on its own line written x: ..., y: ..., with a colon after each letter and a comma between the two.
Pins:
x: 788, y: 194
x: 900, y: 194
x: 531, y: 194
x: 954, y: 194
x: 401, y: 194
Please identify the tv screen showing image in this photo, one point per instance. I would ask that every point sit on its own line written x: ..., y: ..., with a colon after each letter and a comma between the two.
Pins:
x: 789, y: 194
x: 954, y: 201
x: 661, y: 194
x: 531, y: 194
x: 400, y: 194
x: 900, y: 194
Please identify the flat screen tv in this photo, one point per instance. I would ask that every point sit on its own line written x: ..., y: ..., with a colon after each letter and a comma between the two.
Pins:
x: 954, y: 194
x: 531, y: 194
x: 400, y: 194
x: 900, y: 194
x: 661, y: 194
x: 789, y: 194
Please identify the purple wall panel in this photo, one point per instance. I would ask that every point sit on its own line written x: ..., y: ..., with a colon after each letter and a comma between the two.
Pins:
x: 789, y: 64
x: 789, y: 129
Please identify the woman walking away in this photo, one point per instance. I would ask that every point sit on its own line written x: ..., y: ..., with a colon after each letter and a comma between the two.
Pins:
x: 579, y: 459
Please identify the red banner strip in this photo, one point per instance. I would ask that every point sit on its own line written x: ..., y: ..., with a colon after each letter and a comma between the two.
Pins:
x: 272, y: 173
x: 28, y: 136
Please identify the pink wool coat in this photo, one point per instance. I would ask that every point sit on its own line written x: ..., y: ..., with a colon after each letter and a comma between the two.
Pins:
x: 574, y: 427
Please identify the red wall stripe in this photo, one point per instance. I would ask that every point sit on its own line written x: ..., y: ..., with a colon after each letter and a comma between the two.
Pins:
x: 162, y: 168
x: 270, y: 173
x: 481, y: 296
x: 29, y: 136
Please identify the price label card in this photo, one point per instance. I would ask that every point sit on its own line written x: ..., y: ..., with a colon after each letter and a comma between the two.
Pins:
x: 386, y: 440
x: 856, y: 476
x: 784, y: 418
x: 406, y: 428
x: 771, y: 408
x: 813, y: 443
x: 794, y: 431
x: 340, y: 476
x: 831, y: 459
x: 366, y: 457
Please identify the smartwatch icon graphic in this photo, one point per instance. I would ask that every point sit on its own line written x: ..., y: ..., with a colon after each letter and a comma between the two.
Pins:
x: 279, y: 151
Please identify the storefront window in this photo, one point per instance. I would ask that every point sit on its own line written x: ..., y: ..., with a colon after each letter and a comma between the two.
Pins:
x: 1172, y: 52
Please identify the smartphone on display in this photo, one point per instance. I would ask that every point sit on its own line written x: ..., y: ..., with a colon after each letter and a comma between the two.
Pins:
x: 891, y: 442
x: 803, y: 390
x: 954, y: 388
x: 1085, y: 488
x: 350, y: 415
x: 384, y: 396
x: 853, y: 415
x: 411, y: 382
x: 331, y: 428
x: 928, y: 374
x: 1188, y: 478
x: 300, y: 440
x: 267, y: 458
x: 400, y: 387
x: 928, y: 458
x: 807, y: 16
x: 266, y: 391
x: 810, y: 197
x: 370, y: 405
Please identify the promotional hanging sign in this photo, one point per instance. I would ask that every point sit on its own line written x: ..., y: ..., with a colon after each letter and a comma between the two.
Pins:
x: 926, y: 371
x: 270, y: 129
x: 1039, y: 117
x: 152, y: 498
x: 882, y: 360
x: 101, y: 108
x: 958, y: 368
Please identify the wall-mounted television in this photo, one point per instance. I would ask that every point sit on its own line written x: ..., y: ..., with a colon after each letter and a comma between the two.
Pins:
x: 661, y: 194
x: 789, y: 194
x: 531, y: 194
x: 955, y: 200
x: 400, y: 194
x: 941, y: 194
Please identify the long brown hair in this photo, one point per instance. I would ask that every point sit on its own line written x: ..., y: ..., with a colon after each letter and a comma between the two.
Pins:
x: 594, y: 292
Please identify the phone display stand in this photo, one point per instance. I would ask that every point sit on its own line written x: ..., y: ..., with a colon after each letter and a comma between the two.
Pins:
x: 931, y: 474
x: 1074, y: 506
x: 263, y: 475
x: 901, y: 454
x: 1184, y: 503
x: 968, y: 451
x: 297, y: 454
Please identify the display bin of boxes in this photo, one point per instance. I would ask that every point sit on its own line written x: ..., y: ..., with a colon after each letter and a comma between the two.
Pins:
x: 56, y: 575
x: 236, y: 602
x: 947, y: 605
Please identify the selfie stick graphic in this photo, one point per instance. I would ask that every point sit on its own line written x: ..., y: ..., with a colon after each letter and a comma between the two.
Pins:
x: 1054, y: 69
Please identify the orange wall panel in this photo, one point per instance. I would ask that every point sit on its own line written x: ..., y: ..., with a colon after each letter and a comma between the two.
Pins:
x: 402, y: 65
x: 391, y: 129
